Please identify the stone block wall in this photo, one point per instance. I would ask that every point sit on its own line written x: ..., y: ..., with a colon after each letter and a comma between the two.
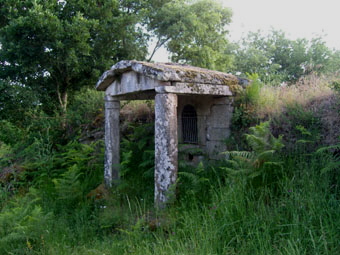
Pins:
x: 213, y: 123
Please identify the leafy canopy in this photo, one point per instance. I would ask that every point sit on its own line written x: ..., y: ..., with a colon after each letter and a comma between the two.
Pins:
x: 276, y: 58
x: 194, y: 32
x: 57, y: 47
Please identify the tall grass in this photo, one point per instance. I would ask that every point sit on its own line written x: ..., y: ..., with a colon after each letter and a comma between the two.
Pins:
x: 304, y: 219
x: 58, y: 206
x: 275, y: 99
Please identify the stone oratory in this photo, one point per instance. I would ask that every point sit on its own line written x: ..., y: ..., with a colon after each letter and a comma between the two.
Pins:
x: 193, y: 107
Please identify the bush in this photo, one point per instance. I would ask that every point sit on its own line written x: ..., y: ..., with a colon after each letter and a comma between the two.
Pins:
x: 9, y: 133
x: 22, y: 225
x: 259, y: 167
x: 137, y: 163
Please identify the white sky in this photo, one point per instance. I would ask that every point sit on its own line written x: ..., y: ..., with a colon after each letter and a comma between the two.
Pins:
x: 297, y: 18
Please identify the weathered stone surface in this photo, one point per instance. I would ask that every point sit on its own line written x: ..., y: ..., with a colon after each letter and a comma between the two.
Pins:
x: 195, y: 89
x: 217, y: 134
x: 174, y: 86
x: 112, y: 140
x: 223, y: 100
x: 220, y: 116
x: 166, y: 147
x: 214, y: 149
x: 169, y: 72
x: 132, y: 82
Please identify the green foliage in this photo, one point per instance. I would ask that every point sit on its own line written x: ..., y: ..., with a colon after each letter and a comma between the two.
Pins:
x: 69, y: 188
x: 331, y: 155
x: 15, y: 100
x: 259, y: 167
x: 301, y: 128
x: 194, y: 32
x: 195, y: 182
x: 278, y: 59
x: 86, y: 108
x: 9, y: 133
x: 22, y: 225
x: 336, y: 85
x: 137, y: 163
x: 244, y: 114
x: 261, y: 139
x: 57, y: 47
x: 51, y: 49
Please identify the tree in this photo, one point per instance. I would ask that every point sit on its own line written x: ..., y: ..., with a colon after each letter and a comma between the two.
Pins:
x: 194, y: 32
x: 56, y: 47
x: 276, y: 58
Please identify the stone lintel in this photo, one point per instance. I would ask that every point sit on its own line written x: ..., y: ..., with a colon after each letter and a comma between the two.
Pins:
x: 195, y: 88
x: 132, y: 82
x: 171, y: 72
x: 112, y: 140
x: 143, y: 95
x: 166, y: 147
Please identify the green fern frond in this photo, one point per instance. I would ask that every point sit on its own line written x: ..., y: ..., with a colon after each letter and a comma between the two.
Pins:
x: 334, y: 165
x: 266, y: 155
x: 327, y: 149
x: 192, y: 178
x: 242, y: 154
x: 273, y: 165
x: 255, y: 166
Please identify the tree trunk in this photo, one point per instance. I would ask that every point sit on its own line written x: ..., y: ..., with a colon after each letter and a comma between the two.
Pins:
x: 63, y: 100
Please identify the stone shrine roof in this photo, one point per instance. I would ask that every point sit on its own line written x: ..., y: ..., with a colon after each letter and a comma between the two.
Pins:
x: 168, y: 72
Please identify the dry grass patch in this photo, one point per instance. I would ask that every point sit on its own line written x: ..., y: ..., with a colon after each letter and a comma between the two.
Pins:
x: 274, y: 101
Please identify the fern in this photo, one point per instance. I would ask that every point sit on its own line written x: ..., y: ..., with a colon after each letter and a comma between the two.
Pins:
x: 332, y: 156
x: 68, y: 187
x: 194, y: 183
x: 242, y: 154
x: 328, y: 149
x: 20, y: 222
x: 259, y: 166
x: 137, y: 161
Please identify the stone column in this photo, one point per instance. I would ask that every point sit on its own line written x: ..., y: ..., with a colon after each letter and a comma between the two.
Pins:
x: 112, y: 141
x: 166, y: 148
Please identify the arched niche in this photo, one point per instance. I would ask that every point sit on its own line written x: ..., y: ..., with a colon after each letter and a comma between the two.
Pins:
x: 189, y: 124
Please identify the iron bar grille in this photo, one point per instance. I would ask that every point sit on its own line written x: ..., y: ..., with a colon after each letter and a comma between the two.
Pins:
x: 189, y: 125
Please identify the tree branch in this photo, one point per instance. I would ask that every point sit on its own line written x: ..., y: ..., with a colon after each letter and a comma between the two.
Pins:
x: 157, y: 46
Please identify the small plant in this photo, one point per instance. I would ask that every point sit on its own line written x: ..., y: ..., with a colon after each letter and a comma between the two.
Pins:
x: 137, y: 161
x: 194, y: 182
x: 336, y: 85
x: 22, y: 225
x: 331, y: 156
x: 258, y: 167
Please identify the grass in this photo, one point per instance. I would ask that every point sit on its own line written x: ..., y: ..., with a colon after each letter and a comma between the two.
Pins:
x: 299, y: 214
x: 274, y: 100
x: 303, y: 219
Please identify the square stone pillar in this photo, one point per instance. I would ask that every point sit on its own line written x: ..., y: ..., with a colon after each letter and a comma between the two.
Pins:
x: 166, y: 147
x: 112, y: 140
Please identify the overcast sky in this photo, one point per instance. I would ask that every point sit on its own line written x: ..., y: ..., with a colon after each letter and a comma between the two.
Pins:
x: 297, y: 18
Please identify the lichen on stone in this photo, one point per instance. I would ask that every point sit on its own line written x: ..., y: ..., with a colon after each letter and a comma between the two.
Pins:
x: 170, y: 72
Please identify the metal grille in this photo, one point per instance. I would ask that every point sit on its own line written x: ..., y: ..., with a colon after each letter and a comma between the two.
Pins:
x: 189, y: 125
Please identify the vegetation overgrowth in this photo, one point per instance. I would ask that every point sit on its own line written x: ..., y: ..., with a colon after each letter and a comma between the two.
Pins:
x: 277, y: 192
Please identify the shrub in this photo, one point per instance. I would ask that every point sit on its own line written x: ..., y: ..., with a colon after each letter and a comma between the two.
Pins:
x: 260, y: 166
x: 22, y: 225
x: 137, y: 162
x: 9, y: 133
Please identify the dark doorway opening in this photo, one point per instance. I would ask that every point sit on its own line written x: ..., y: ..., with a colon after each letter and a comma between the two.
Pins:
x: 189, y: 125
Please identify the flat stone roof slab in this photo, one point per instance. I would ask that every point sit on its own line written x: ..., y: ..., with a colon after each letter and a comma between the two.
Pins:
x: 167, y: 72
